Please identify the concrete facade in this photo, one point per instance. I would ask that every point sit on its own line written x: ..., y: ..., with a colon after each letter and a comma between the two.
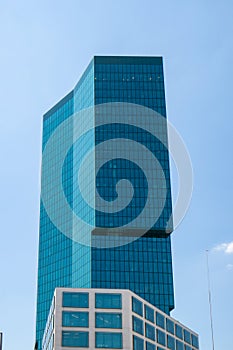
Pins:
x: 132, y: 338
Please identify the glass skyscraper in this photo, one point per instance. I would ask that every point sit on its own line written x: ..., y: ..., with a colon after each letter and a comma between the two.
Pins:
x: 142, y: 265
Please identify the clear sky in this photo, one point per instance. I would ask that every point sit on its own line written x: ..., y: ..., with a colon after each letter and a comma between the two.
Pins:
x: 45, y: 46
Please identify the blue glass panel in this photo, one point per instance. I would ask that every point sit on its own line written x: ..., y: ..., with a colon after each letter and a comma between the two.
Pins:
x: 137, y: 325
x: 187, y: 336
x: 75, y: 319
x: 72, y: 339
x: 195, y: 341
x: 133, y: 82
x: 149, y: 313
x: 187, y: 347
x: 53, y: 245
x: 108, y: 301
x: 112, y: 268
x: 170, y: 326
x: 108, y: 320
x: 75, y: 299
x: 160, y: 320
x: 150, y: 346
x: 150, y: 331
x: 108, y: 340
x: 171, y: 343
x: 161, y: 338
x: 137, y: 306
x: 179, y: 331
x: 138, y: 343
x: 179, y: 345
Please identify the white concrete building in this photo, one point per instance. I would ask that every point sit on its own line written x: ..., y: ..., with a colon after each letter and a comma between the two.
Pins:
x: 111, y: 319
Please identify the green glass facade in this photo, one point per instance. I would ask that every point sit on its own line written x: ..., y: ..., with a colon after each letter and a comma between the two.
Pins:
x: 143, y: 265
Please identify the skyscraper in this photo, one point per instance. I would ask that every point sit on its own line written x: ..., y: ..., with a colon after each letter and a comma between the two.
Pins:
x: 110, y: 258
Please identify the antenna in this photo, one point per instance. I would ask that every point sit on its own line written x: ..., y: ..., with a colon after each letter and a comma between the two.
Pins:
x: 210, y: 301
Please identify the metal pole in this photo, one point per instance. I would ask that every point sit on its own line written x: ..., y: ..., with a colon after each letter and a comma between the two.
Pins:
x: 210, y: 300
x: 0, y: 341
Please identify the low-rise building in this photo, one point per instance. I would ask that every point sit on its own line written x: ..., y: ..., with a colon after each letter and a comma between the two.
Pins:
x: 111, y: 319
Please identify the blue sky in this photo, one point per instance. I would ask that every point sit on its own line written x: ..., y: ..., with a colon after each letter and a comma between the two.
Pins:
x: 45, y: 46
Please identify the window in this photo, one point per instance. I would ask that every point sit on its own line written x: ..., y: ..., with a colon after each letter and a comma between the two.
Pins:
x: 170, y: 326
x: 170, y: 342
x: 187, y: 336
x: 75, y: 300
x: 137, y: 325
x: 161, y: 337
x: 138, y: 343
x: 187, y: 347
x: 108, y: 340
x: 75, y: 319
x: 160, y: 320
x: 195, y: 341
x: 72, y: 339
x: 108, y: 301
x: 149, y: 314
x: 179, y: 345
x: 150, y: 331
x: 137, y: 306
x: 108, y: 320
x: 179, y: 331
x: 150, y: 346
